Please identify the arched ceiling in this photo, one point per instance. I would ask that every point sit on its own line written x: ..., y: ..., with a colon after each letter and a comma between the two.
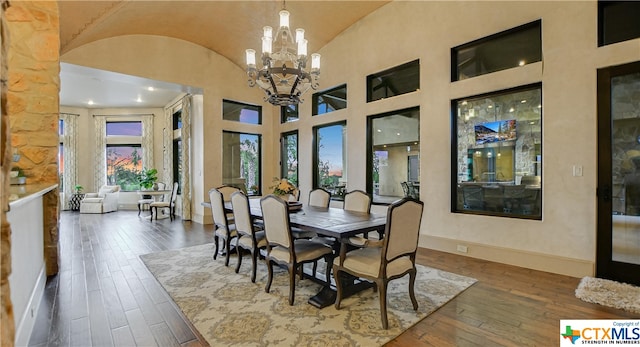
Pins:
x: 226, y: 27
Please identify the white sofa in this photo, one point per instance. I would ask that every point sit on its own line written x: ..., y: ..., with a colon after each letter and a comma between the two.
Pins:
x: 105, y: 200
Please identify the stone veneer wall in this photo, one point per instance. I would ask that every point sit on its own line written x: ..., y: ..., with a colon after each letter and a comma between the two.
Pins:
x: 31, y: 109
x: 7, y: 328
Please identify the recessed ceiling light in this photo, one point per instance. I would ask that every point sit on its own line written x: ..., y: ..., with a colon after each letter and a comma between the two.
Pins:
x: 398, y: 134
x: 150, y: 89
x: 521, y: 63
x: 379, y: 130
x: 138, y: 99
x: 90, y: 102
x: 523, y: 101
x: 511, y: 109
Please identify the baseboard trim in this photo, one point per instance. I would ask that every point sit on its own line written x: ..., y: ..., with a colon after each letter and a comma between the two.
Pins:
x: 530, y: 260
x: 24, y: 327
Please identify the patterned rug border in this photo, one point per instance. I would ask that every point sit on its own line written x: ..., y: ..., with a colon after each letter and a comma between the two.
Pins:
x: 218, y: 307
x: 609, y: 293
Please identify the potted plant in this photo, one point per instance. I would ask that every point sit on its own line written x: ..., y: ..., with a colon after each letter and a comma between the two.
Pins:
x: 17, y: 176
x: 78, y: 188
x: 148, y: 178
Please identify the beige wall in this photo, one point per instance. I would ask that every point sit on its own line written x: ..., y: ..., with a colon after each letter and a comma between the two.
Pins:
x: 564, y: 241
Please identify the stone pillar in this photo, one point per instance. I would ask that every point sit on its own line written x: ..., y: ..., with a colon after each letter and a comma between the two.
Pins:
x: 30, y: 109
x: 7, y: 331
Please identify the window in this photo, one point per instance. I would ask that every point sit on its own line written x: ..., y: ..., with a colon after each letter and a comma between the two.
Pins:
x: 289, y: 113
x: 241, y: 160
x: 329, y: 158
x: 289, y: 156
x: 515, y: 47
x: 497, y: 153
x: 330, y: 100
x: 239, y: 112
x: 177, y: 148
x: 393, y: 164
x: 395, y: 81
x: 618, y: 21
x: 124, y: 153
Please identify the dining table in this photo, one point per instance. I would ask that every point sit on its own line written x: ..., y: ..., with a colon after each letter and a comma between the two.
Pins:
x: 335, y: 223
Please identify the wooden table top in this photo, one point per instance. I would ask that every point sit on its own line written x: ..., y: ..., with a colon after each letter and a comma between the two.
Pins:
x: 333, y: 222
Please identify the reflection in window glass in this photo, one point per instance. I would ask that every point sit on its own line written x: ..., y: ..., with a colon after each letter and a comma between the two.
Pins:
x: 289, y: 156
x: 124, y: 163
x: 330, y: 100
x: 239, y: 112
x: 394, y: 162
x: 330, y: 159
x: 499, y: 158
x: 505, y: 50
x: 289, y: 113
x: 396, y: 81
x: 124, y: 128
x: 241, y: 160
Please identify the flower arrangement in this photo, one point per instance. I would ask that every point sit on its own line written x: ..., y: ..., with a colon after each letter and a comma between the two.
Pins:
x: 282, y: 186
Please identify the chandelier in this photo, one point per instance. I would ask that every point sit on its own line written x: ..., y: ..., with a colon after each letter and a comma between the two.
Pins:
x: 283, y: 75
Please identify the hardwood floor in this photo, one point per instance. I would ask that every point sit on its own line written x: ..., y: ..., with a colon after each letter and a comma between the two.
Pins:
x: 105, y: 296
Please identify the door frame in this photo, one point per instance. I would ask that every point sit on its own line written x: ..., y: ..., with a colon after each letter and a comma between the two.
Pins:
x: 606, y: 267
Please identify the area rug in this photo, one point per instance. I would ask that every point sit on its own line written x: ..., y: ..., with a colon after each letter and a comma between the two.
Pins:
x: 609, y: 293
x: 229, y: 310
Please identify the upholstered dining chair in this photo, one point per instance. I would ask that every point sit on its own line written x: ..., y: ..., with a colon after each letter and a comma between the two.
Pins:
x: 283, y: 249
x: 357, y: 200
x: 249, y: 235
x: 319, y: 197
x: 171, y: 204
x: 223, y: 229
x: 146, y: 201
x: 390, y: 258
x: 226, y: 196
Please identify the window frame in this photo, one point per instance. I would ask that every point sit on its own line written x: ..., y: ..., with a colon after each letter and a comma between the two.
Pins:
x: 455, y: 151
x: 284, y: 155
x: 388, y: 74
x: 259, y: 173
x: 286, y: 115
x: 257, y: 108
x: 455, y: 70
x: 124, y: 141
x: 315, y: 156
x: 369, y: 152
x: 603, y: 21
x: 316, y: 96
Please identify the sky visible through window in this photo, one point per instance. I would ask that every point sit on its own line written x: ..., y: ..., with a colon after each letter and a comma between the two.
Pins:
x: 124, y: 128
x: 331, y: 148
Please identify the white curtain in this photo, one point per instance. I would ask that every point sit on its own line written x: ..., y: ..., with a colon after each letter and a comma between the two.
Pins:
x: 100, y: 149
x: 147, y: 142
x: 70, y: 151
x: 186, y: 157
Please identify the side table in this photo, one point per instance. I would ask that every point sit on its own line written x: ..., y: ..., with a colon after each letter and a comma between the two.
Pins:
x: 74, y: 201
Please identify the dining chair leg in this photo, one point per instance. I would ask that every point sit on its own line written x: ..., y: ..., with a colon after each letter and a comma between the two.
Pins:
x: 412, y: 283
x: 254, y: 264
x: 215, y: 253
x: 382, y: 288
x: 139, y: 209
x: 292, y: 284
x: 336, y: 277
x: 228, y: 252
x: 239, y: 257
x: 270, y: 268
x: 151, y: 208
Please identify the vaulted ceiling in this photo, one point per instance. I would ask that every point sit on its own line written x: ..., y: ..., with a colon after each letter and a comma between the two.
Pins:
x: 226, y: 27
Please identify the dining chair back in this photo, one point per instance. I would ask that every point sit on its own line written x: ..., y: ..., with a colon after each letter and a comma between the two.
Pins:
x: 357, y: 200
x: 227, y: 191
x: 223, y: 230
x: 319, y: 197
x: 171, y: 204
x: 250, y: 236
x: 390, y: 258
x: 282, y: 249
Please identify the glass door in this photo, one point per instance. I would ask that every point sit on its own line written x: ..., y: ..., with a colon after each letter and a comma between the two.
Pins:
x: 618, y: 242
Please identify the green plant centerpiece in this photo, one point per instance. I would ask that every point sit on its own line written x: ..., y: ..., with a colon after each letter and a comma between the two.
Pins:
x: 78, y: 189
x: 148, y: 178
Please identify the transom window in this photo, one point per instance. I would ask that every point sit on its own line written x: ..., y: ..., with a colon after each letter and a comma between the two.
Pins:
x: 618, y: 21
x: 330, y: 100
x: 395, y: 81
x: 243, y: 113
x: 289, y: 113
x: 511, y: 48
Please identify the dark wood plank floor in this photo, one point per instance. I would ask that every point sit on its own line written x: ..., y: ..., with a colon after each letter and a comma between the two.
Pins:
x: 105, y: 296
